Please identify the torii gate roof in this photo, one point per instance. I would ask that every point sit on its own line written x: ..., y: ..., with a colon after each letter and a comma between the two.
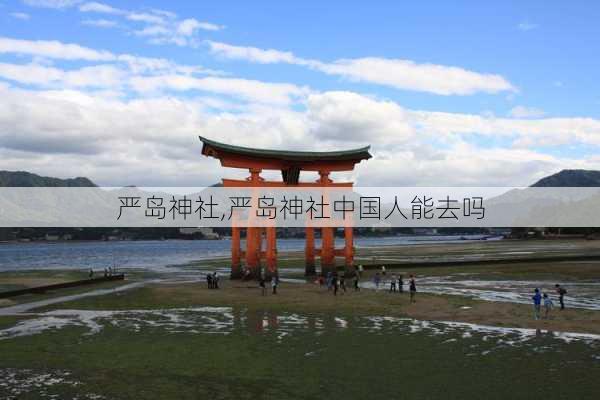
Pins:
x: 247, y: 157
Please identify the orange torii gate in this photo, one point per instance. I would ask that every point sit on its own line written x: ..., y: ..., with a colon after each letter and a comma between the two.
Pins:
x: 290, y: 163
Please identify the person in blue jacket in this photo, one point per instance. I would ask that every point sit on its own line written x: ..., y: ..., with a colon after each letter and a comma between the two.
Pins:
x: 537, y: 303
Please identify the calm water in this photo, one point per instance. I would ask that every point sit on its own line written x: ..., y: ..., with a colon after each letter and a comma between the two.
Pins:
x: 154, y: 254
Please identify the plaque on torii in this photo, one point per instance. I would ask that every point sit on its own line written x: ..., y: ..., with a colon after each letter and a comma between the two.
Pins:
x: 291, y: 164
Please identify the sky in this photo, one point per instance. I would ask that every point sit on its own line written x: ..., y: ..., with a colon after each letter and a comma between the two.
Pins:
x: 464, y: 93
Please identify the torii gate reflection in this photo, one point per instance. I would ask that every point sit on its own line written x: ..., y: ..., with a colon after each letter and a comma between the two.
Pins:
x: 290, y: 163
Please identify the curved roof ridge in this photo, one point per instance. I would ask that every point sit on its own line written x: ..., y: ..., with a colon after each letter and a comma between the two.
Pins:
x: 361, y: 153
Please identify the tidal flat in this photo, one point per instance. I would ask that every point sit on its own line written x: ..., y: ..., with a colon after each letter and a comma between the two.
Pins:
x: 471, y: 333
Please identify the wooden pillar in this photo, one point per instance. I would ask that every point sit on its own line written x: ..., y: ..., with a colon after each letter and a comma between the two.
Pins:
x: 236, y: 272
x: 309, y: 252
x: 251, y: 249
x: 349, y: 250
x: 271, y: 253
x: 327, y: 233
x: 327, y: 250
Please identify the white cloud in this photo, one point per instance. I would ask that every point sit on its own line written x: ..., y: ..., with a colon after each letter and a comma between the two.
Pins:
x: 57, y: 132
x: 526, y: 112
x: 253, y: 54
x: 246, y: 89
x: 145, y: 17
x: 158, y: 26
x: 99, y: 8
x: 188, y: 27
x: 20, y: 15
x: 100, y: 23
x: 139, y: 74
x: 68, y: 51
x: 347, y: 116
x: 97, y: 76
x: 51, y: 3
x: 400, y: 74
x: 207, y: 26
x: 53, y: 49
x: 527, y: 26
x: 406, y: 74
x: 153, y: 30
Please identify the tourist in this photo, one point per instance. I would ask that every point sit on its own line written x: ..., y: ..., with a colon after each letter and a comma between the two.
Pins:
x: 329, y: 280
x: 335, y: 285
x: 263, y: 287
x: 91, y: 273
x: 343, y: 283
x: 274, y: 283
x: 561, y: 295
x: 109, y: 271
x: 383, y: 270
x: 393, y: 283
x: 400, y: 284
x: 321, y: 280
x: 356, y: 286
x: 360, y: 269
x: 105, y: 272
x: 412, y: 286
x: 247, y: 274
x: 548, y: 304
x: 537, y: 301
x: 215, y: 280
x: 209, y: 281
x: 376, y: 280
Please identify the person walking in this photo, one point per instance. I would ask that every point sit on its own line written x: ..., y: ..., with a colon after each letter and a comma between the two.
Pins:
x: 356, y: 281
x: 561, y: 295
x: 537, y: 301
x: 91, y: 273
x: 215, y: 280
x: 400, y: 284
x: 412, y: 285
x: 209, y: 280
x: 383, y: 270
x: 548, y: 304
x: 343, y: 283
x: 360, y: 269
x: 263, y: 287
x: 393, y: 283
x: 274, y: 283
x: 377, y: 280
x: 335, y: 285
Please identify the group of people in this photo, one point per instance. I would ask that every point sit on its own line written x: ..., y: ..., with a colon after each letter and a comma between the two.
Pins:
x: 212, y: 280
x: 262, y: 283
x: 396, y: 283
x: 110, y: 271
x: 336, y: 283
x: 539, y: 298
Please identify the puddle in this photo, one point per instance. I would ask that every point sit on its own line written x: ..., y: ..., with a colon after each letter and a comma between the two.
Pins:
x: 226, y: 320
x: 22, y: 383
x: 22, y: 308
x: 585, y: 295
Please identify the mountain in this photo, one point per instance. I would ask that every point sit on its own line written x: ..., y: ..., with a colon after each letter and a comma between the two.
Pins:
x: 27, y: 179
x: 571, y: 178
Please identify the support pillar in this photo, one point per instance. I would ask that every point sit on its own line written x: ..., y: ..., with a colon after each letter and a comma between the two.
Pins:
x: 349, y: 250
x: 252, y: 260
x: 236, y: 271
x: 327, y: 250
x: 271, y: 252
x: 309, y: 252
